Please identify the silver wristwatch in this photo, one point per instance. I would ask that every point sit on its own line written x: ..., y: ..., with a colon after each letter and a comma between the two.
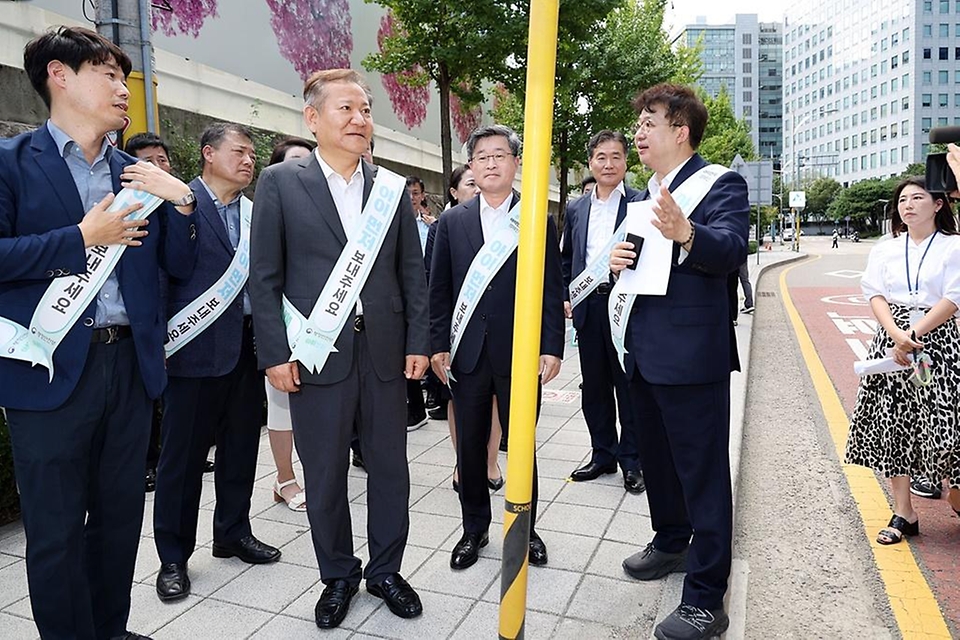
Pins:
x: 185, y: 200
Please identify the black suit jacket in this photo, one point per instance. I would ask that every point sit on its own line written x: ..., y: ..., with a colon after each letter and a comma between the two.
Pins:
x: 459, y: 238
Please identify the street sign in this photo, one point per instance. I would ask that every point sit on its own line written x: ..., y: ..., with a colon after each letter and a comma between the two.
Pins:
x: 798, y: 199
x: 759, y: 178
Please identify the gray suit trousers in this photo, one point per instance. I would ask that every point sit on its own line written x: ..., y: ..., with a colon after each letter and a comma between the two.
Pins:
x: 323, y: 418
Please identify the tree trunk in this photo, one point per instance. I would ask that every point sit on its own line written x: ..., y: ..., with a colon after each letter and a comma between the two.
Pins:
x: 446, y: 146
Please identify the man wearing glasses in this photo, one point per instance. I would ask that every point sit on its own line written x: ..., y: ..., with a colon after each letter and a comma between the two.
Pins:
x: 471, y: 323
x: 681, y: 348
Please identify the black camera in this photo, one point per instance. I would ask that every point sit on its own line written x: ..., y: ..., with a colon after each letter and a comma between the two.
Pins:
x: 939, y: 177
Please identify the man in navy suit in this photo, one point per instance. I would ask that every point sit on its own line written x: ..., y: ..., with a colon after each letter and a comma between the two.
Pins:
x: 589, y: 224
x: 214, y: 383
x: 482, y: 363
x: 682, y: 348
x: 80, y: 440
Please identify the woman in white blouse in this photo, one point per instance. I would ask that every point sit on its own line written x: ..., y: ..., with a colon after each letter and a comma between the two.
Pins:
x: 906, y: 423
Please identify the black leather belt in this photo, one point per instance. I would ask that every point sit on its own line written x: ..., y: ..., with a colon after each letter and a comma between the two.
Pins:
x: 109, y: 335
x: 358, y: 324
x: 603, y: 289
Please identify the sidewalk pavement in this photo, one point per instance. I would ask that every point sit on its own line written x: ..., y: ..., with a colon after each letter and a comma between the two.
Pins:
x: 589, y: 528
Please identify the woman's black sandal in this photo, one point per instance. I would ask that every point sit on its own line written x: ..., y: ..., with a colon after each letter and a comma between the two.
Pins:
x: 897, y: 529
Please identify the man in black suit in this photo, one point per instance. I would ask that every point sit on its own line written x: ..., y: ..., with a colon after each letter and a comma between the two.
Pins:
x: 214, y: 390
x: 588, y: 229
x: 307, y: 215
x: 482, y: 354
x: 681, y: 348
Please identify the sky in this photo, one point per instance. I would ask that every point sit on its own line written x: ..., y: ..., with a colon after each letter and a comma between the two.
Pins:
x: 683, y: 12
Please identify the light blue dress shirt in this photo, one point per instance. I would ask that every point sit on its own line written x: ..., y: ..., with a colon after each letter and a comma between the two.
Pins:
x: 230, y: 216
x: 93, y: 182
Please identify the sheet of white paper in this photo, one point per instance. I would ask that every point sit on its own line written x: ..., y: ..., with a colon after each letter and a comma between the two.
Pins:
x: 652, y: 274
x: 878, y: 365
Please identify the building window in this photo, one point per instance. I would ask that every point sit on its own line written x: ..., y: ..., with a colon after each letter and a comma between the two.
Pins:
x: 747, y: 67
x: 893, y: 156
x: 894, y: 62
x: 927, y: 77
x: 748, y: 96
x: 928, y: 6
x: 883, y: 134
x: 944, y: 30
x: 956, y: 99
x: 905, y: 103
x: 883, y: 158
x: 925, y: 125
x: 928, y: 31
x: 748, y: 38
x: 944, y: 53
x: 943, y: 77
x: 893, y: 130
x: 926, y: 100
x: 905, y: 58
x: 943, y: 99
x: 747, y: 52
x: 926, y: 53
x: 748, y: 81
x: 894, y: 84
x: 944, y: 6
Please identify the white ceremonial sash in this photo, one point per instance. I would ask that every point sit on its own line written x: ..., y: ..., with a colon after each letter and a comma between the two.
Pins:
x: 485, y: 265
x: 598, y: 271
x: 688, y: 197
x: 202, y: 312
x: 313, y: 338
x: 67, y: 297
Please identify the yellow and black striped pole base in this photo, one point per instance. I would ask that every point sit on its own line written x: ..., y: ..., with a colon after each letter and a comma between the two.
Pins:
x: 513, y: 580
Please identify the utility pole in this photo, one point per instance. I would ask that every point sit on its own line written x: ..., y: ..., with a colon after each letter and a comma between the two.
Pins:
x: 127, y: 24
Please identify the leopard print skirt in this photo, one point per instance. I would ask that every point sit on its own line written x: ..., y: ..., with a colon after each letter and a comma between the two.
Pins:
x: 899, y: 429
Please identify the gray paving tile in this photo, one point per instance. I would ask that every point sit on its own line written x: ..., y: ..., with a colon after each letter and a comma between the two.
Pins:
x: 430, y: 530
x: 559, y: 410
x: 573, y: 518
x: 300, y: 551
x: 6, y: 560
x: 148, y: 561
x: 550, y: 488
x: 442, y: 500
x: 636, y: 504
x: 608, y: 560
x: 548, y: 590
x: 21, y: 608
x: 440, y: 455
x: 431, y: 475
x: 272, y: 587
x: 573, y: 453
x: 279, y: 512
x: 569, y: 551
x: 484, y: 619
x: 147, y: 613
x: 436, y: 575
x: 413, y: 558
x: 13, y: 627
x: 631, y: 528
x: 214, y: 619
x: 207, y: 574
x: 551, y: 422
x: 428, y: 438
x: 14, y: 542
x: 416, y: 450
x: 284, y: 628
x: 573, y: 438
x: 570, y: 629
x: 593, y: 494
x: 560, y: 469
x: 441, y: 615
x: 13, y: 583
x: 606, y: 601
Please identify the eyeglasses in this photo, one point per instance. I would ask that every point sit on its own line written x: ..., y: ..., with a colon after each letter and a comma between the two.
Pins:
x: 647, y: 125
x: 498, y: 158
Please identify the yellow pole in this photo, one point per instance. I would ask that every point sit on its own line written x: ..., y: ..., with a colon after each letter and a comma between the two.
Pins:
x: 538, y: 132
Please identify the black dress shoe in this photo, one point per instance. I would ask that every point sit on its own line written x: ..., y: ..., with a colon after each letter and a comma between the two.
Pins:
x: 209, y: 466
x: 438, y: 413
x: 503, y: 444
x: 496, y: 484
x: 400, y: 597
x: 688, y: 622
x: 592, y: 471
x: 130, y: 635
x: 433, y: 399
x: 467, y: 551
x: 333, y: 604
x: 151, y: 480
x: 173, y: 583
x: 538, y: 551
x: 357, y: 460
x: 633, y: 481
x: 653, y: 564
x: 248, y: 549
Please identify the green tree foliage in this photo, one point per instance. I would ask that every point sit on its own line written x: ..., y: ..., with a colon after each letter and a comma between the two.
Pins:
x: 865, y: 202
x: 456, y: 45
x: 725, y: 135
x: 820, y: 194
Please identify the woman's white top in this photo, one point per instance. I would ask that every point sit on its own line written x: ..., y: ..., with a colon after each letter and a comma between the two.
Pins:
x: 939, y: 273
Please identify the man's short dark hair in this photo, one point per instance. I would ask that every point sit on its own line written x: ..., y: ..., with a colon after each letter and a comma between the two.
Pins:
x: 606, y: 136
x: 488, y: 132
x: 214, y: 134
x: 682, y: 106
x: 412, y: 180
x: 587, y: 181
x: 143, y: 141
x: 73, y: 46
x: 280, y: 149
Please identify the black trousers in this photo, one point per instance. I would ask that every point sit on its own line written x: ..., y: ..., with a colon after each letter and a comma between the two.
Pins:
x: 684, y: 434
x: 80, y: 472
x: 323, y: 422
x: 473, y: 406
x: 605, y: 390
x: 228, y: 407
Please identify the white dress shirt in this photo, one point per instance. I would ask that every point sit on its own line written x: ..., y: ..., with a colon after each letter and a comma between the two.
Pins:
x: 348, y: 196
x: 653, y: 188
x: 939, y: 276
x: 492, y: 217
x: 603, y: 220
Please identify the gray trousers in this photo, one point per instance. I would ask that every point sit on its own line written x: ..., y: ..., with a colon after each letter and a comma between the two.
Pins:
x: 323, y: 418
x: 744, y: 275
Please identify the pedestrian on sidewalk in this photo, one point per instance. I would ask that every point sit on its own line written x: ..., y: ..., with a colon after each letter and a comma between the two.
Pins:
x: 836, y: 239
x: 743, y: 274
x: 905, y: 424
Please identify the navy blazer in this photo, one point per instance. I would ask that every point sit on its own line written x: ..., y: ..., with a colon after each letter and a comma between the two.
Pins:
x: 459, y: 238
x: 686, y: 337
x: 573, y: 251
x: 40, y: 209
x: 216, y: 351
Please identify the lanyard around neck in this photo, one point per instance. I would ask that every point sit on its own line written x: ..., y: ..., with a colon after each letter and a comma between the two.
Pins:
x: 915, y: 290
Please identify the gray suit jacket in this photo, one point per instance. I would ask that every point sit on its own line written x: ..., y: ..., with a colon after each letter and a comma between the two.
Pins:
x: 296, y: 240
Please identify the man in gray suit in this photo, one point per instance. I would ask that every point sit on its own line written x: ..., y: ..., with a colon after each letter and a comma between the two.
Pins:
x: 307, y: 214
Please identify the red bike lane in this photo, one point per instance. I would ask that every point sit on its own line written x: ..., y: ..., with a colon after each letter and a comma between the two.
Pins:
x: 841, y: 327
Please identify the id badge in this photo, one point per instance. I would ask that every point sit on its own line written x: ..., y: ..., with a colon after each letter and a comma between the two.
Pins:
x: 916, y: 315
